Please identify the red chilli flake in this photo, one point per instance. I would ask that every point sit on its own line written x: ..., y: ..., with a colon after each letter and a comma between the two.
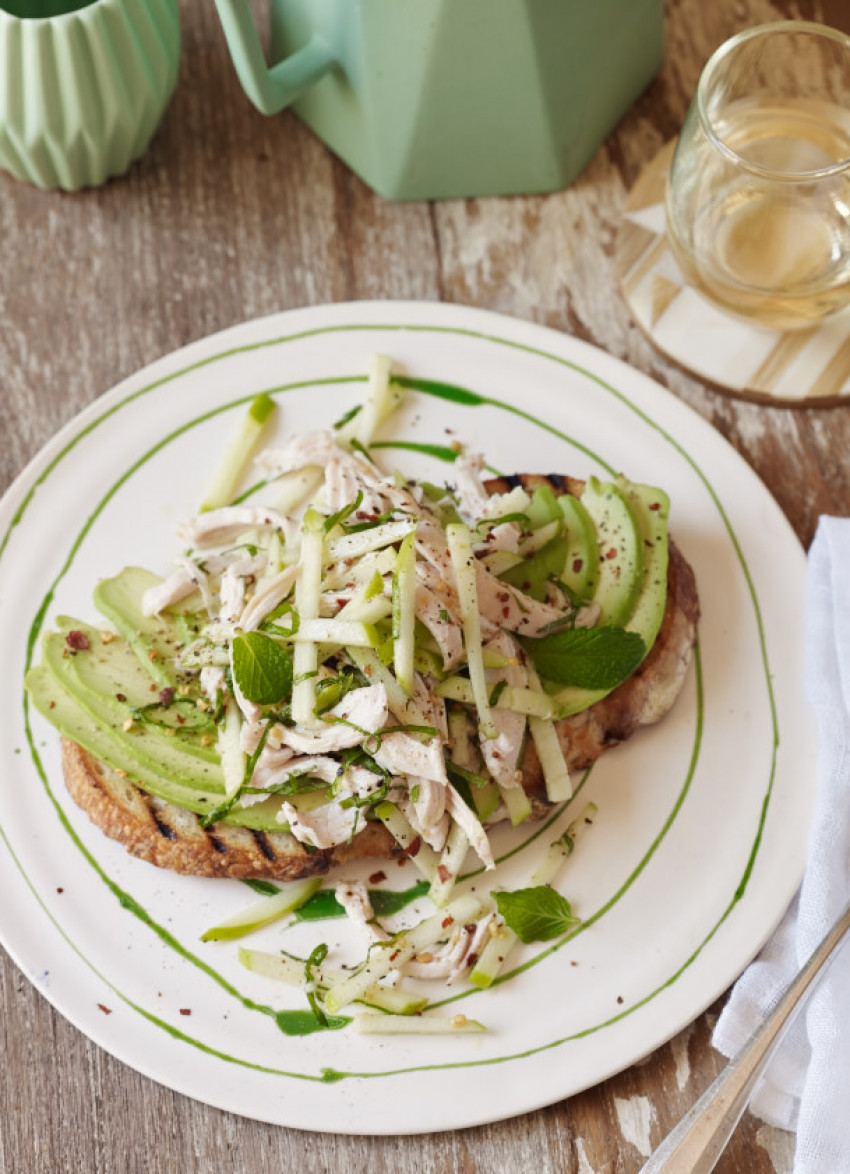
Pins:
x: 377, y: 877
x: 578, y: 563
x: 445, y: 874
x: 446, y: 922
x: 105, y: 1010
x: 77, y: 640
x: 166, y: 696
x: 185, y: 1011
x: 414, y: 846
x: 656, y: 505
x: 612, y: 553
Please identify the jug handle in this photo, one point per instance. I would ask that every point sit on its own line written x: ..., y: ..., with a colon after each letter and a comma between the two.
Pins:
x: 270, y: 89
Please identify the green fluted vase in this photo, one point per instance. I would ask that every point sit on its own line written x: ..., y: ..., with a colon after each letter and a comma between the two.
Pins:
x: 83, y: 86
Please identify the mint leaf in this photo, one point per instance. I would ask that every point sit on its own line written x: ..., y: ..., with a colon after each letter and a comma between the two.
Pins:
x: 536, y: 915
x: 262, y: 668
x: 591, y: 658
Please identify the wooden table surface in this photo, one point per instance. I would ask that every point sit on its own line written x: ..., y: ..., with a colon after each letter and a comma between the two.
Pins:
x: 229, y: 216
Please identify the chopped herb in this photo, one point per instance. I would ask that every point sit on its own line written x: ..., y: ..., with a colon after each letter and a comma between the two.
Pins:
x: 316, y: 958
x: 346, y: 417
x: 488, y: 523
x: 339, y: 517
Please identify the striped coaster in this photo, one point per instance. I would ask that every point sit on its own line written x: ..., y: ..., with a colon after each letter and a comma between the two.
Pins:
x: 795, y: 367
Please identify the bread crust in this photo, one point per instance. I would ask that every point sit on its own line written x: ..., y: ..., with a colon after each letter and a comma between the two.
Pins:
x: 170, y: 837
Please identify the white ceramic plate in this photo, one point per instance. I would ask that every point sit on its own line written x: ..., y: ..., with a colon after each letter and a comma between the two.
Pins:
x: 699, y: 842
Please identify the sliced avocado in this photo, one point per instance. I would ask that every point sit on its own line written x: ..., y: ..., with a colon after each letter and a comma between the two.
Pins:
x: 154, y: 639
x: 532, y: 574
x: 500, y: 561
x: 650, y: 509
x: 147, y: 747
x: 109, y: 665
x: 112, y: 671
x: 260, y: 816
x: 581, y: 565
x: 542, y: 508
x: 620, y: 547
x: 72, y: 721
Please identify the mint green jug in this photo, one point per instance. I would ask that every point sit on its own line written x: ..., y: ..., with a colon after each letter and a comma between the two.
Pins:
x: 83, y: 86
x: 427, y: 99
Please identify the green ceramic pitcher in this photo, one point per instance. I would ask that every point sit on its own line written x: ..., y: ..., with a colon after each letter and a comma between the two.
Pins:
x: 435, y: 98
x: 83, y: 86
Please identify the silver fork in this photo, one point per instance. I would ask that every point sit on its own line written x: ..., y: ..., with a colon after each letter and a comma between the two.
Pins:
x: 696, y: 1143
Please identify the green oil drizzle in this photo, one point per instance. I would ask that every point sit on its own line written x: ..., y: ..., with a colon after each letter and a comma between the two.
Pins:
x: 440, y: 452
x: 385, y: 902
x: 264, y: 888
x: 306, y: 1023
x: 456, y: 395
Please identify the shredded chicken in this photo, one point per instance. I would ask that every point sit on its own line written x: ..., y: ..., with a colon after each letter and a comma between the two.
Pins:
x: 453, y: 958
x: 323, y: 827
x: 509, y: 609
x: 429, y: 800
x: 471, y: 826
x: 469, y: 486
x: 316, y: 448
x: 231, y: 592
x: 228, y: 523
x: 180, y: 583
x: 401, y: 753
x: 344, y: 479
x: 442, y: 625
x: 434, y: 831
x: 353, y: 896
x: 277, y: 769
x: 360, y: 710
x: 264, y: 601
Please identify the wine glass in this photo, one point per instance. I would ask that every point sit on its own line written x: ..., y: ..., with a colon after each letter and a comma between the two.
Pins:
x: 758, y: 195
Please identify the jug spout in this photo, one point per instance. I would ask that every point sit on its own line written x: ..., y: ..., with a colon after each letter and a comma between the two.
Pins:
x: 273, y: 88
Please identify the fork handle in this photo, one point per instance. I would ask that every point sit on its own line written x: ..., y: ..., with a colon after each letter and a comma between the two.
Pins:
x: 696, y: 1143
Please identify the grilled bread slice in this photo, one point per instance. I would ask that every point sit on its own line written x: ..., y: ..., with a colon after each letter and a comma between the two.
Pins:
x: 170, y: 837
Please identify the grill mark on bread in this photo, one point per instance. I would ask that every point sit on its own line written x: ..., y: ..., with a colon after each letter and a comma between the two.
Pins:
x: 173, y: 838
x: 165, y: 829
x: 264, y: 845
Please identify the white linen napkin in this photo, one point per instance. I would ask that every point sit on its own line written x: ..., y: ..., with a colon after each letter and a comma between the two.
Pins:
x: 807, y: 1085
